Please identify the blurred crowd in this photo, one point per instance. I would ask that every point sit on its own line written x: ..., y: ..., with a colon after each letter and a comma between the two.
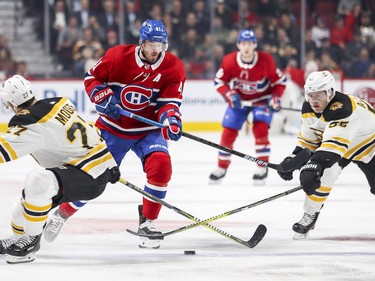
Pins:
x: 340, y: 34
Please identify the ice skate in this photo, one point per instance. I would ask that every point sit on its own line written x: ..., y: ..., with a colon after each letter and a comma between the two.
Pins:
x: 303, y: 227
x: 5, y: 243
x: 54, y: 225
x: 24, y: 249
x: 217, y: 176
x: 146, y: 226
x: 260, y: 175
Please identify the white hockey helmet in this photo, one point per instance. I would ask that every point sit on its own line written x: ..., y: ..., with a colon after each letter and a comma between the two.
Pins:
x: 318, y: 81
x: 16, y: 90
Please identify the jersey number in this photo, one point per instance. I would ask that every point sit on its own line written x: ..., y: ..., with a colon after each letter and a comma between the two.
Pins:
x: 70, y: 133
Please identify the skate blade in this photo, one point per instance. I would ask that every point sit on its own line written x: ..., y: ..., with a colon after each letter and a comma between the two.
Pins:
x: 300, y: 236
x: 259, y: 182
x: 14, y: 259
x: 214, y: 182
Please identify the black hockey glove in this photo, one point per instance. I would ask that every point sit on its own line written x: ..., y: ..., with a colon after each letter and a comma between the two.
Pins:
x: 287, y: 176
x: 115, y: 174
x: 310, y: 176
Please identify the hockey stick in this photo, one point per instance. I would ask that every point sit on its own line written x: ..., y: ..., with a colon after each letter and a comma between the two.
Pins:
x: 258, y: 235
x: 250, y: 104
x: 298, y: 161
x: 223, y: 215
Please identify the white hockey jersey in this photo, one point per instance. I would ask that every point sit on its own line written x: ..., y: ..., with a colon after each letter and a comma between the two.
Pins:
x: 54, y: 134
x: 346, y: 127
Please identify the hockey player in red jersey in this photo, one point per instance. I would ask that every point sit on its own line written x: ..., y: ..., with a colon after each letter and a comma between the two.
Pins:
x: 148, y: 81
x: 251, y: 76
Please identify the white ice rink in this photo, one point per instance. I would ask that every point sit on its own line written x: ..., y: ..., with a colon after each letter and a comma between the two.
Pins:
x: 95, y: 246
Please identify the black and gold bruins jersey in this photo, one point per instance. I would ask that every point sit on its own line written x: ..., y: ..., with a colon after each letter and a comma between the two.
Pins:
x: 55, y: 135
x: 346, y: 127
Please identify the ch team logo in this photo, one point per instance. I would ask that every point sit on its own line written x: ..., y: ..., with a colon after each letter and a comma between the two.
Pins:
x: 247, y: 87
x: 135, y: 98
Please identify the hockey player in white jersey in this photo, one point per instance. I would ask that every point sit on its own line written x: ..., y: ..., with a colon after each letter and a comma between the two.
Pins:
x: 339, y: 129
x: 75, y: 162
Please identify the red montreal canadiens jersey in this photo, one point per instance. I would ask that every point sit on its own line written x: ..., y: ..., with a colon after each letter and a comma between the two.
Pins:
x: 144, y: 89
x: 256, y: 81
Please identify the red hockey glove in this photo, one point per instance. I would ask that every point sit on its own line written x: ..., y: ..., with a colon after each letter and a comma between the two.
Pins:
x: 274, y: 103
x: 233, y: 98
x: 105, y: 101
x: 172, y: 121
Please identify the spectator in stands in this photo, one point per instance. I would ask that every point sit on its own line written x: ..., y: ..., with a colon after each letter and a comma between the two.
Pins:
x: 177, y: 14
x: 270, y: 30
x: 96, y: 29
x: 87, y: 50
x: 223, y: 12
x: 68, y: 36
x: 265, y: 8
x: 309, y: 42
x: 371, y: 71
x: 111, y: 40
x: 367, y: 29
x: 189, y: 42
x: 156, y: 12
x: 107, y: 17
x: 7, y: 63
x: 131, y: 16
x: 59, y: 20
x: 352, y: 47
x: 340, y: 35
x: 83, y: 13
x: 319, y: 31
x: 244, y: 16
x: 327, y: 63
x: 289, y: 25
x: 203, y: 17
x: 362, y: 64
x: 22, y: 69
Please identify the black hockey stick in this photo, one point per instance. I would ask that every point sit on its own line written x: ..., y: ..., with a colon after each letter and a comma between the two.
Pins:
x: 258, y: 235
x: 295, y: 163
x: 250, y: 104
x: 226, y: 214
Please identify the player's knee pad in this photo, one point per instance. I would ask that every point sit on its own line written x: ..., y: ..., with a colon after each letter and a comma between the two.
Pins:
x: 158, y: 168
x: 41, y: 184
x: 260, y: 131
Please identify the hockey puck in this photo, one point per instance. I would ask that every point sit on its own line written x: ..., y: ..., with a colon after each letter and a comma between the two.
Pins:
x: 189, y: 253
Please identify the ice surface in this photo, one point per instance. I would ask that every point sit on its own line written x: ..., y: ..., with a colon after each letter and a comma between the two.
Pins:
x: 95, y: 246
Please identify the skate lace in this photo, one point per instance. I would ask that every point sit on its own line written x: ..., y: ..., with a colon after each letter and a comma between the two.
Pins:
x: 306, y: 219
x: 7, y: 242
x: 25, y: 241
x: 148, y: 224
x: 55, y: 224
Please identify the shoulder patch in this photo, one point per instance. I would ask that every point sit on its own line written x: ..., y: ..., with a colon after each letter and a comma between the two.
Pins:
x: 34, y: 113
x: 339, y: 107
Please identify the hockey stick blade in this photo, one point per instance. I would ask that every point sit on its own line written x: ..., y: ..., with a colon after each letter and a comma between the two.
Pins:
x: 258, y: 235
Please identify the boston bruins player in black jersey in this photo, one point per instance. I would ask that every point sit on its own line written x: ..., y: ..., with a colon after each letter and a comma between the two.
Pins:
x: 339, y: 129
x: 75, y: 162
